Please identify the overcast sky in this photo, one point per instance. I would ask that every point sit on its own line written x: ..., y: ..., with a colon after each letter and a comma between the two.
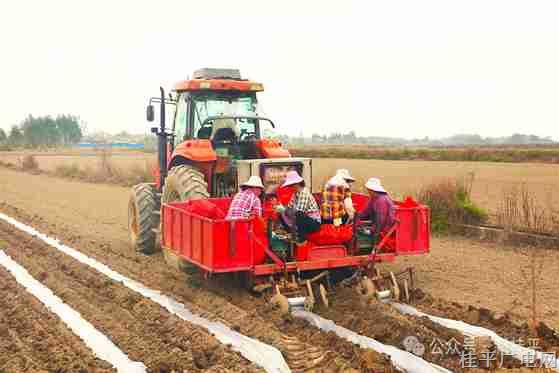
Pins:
x: 388, y: 68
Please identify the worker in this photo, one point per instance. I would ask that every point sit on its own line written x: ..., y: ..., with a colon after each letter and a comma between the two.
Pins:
x: 301, y: 213
x: 380, y: 208
x: 336, y: 206
x: 246, y: 203
x: 222, y: 123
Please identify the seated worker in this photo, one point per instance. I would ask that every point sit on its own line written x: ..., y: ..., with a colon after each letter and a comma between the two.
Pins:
x: 380, y: 208
x: 302, y: 211
x: 336, y: 206
x: 246, y: 203
x: 222, y: 123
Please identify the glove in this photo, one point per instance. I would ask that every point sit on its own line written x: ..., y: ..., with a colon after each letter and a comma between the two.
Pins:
x: 279, y: 208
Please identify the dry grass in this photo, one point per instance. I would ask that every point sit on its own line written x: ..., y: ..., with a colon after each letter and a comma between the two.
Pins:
x: 105, y: 170
x: 521, y: 210
x: 29, y: 163
x: 400, y: 178
x: 547, y: 154
x: 450, y: 203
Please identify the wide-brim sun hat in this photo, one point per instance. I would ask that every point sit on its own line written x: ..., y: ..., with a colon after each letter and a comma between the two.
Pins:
x: 253, y: 182
x: 345, y: 174
x: 292, y: 178
x: 375, y: 185
x: 338, y: 181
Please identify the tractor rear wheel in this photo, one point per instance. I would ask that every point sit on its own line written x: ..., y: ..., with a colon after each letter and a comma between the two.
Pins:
x: 143, y: 218
x: 183, y: 183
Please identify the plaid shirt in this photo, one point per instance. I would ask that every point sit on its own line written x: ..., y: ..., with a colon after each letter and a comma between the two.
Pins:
x: 304, y: 201
x: 244, y: 205
x: 332, y: 206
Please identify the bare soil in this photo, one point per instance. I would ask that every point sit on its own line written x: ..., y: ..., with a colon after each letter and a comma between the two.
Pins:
x: 92, y: 218
x: 33, y: 339
x: 383, y: 323
x: 142, y: 329
x: 542, y: 337
x: 253, y: 317
x: 489, y: 275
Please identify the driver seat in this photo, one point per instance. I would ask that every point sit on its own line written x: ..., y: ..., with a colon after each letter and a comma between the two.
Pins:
x: 204, y: 133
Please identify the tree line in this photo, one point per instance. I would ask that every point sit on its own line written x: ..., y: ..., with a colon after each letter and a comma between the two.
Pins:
x: 44, y: 131
x: 456, y: 140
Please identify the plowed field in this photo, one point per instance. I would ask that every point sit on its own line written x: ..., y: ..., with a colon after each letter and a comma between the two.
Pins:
x: 92, y: 219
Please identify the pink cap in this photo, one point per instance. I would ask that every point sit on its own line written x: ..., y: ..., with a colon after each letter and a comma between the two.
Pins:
x: 292, y: 177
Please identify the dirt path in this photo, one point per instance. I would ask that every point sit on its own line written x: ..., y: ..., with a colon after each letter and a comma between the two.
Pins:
x: 141, y: 328
x: 33, y: 339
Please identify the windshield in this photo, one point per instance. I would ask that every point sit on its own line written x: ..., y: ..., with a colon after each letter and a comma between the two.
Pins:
x: 215, y: 104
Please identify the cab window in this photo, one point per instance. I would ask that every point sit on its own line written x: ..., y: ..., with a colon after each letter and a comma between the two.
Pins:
x: 181, y: 120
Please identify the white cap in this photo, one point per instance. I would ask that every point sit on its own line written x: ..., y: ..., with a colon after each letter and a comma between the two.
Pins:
x: 337, y: 180
x: 375, y: 185
x: 253, y: 182
x: 345, y: 174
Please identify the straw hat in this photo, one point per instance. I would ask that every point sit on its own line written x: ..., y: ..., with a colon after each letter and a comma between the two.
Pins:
x: 375, y: 185
x: 292, y: 177
x: 345, y: 174
x: 253, y: 182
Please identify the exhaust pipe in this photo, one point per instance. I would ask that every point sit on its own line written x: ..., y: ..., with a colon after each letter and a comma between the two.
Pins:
x: 162, y: 141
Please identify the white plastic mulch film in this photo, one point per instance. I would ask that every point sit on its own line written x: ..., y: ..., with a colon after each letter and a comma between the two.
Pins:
x: 261, y: 354
x: 401, y: 359
x: 101, y: 346
x: 505, y: 346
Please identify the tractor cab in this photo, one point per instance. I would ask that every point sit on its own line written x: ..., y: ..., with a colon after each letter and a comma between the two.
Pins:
x: 217, y: 139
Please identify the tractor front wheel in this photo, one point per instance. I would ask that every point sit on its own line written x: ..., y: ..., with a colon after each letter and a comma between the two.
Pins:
x: 143, y: 218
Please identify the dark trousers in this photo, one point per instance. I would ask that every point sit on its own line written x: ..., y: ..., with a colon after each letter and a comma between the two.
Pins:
x: 305, y: 226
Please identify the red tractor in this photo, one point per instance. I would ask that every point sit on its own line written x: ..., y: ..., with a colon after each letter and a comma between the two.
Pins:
x: 218, y: 139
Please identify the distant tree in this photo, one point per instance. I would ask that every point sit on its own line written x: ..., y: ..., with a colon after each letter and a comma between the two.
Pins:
x: 69, y: 129
x: 16, y: 136
x: 3, y: 137
x: 46, y: 131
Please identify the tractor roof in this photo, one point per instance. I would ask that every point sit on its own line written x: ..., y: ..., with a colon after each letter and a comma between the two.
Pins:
x: 218, y: 85
x: 209, y: 79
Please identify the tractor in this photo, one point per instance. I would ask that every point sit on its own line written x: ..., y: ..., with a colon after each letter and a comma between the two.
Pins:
x: 217, y: 140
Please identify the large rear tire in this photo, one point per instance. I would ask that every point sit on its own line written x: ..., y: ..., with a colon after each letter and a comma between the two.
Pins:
x: 183, y: 183
x: 143, y: 218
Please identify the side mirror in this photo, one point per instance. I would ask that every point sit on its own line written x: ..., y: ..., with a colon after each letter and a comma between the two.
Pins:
x: 149, y: 113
